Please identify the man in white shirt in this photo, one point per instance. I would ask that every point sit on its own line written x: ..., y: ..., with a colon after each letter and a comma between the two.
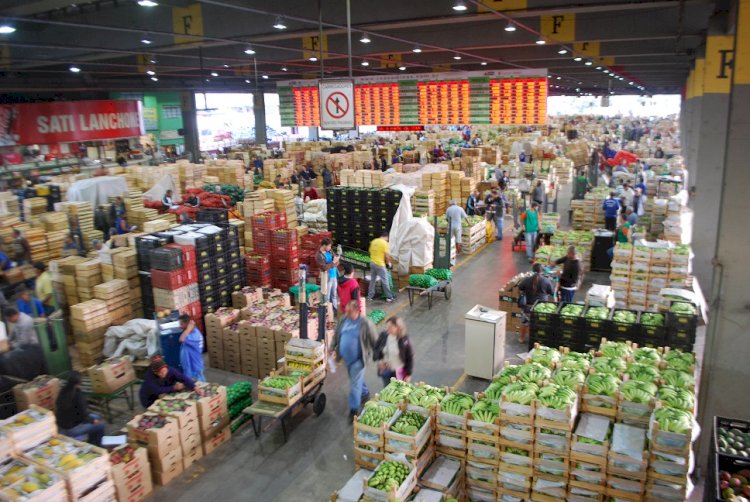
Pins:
x: 21, y: 328
x: 455, y: 215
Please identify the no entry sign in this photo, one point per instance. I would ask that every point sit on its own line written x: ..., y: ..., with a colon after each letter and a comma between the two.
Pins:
x: 337, y: 104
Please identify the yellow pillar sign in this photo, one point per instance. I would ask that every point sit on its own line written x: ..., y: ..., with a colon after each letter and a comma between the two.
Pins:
x: 742, y: 55
x: 500, y: 5
x: 717, y: 73
x: 698, y: 78
x: 142, y: 60
x: 689, y: 85
x: 187, y: 21
x: 560, y: 27
x: 311, y: 47
x: 390, y: 60
x: 590, y: 49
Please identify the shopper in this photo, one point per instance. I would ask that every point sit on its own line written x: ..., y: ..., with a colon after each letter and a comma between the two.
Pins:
x: 611, y: 207
x: 121, y: 225
x: 496, y: 205
x: 379, y: 260
x: 455, y: 215
x: 327, y: 263
x: 21, y: 330
x: 639, y: 203
x: 353, y: 342
x: 101, y: 221
x: 581, y: 185
x: 21, y: 248
x: 503, y: 181
x: 27, y: 304
x: 73, y: 417
x: 627, y: 194
x: 327, y: 177
x: 624, y: 230
x: 160, y: 380
x: 530, y: 220
x: 310, y: 173
x: 5, y: 262
x: 348, y: 287
x: 533, y: 289
x: 310, y: 193
x: 570, y: 277
x: 471, y: 203
x: 659, y: 153
x: 538, y: 194
x: 191, y: 349
x: 43, y: 287
x: 393, y: 352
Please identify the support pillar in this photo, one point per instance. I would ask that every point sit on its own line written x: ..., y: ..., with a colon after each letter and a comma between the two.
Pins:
x: 313, y: 133
x: 259, y: 109
x: 693, y: 124
x: 190, y: 126
x: 726, y: 371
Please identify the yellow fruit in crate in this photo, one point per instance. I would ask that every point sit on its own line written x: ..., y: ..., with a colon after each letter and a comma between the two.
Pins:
x: 42, y: 477
x: 24, y: 420
x: 30, y: 487
x: 55, y: 442
x: 11, y: 478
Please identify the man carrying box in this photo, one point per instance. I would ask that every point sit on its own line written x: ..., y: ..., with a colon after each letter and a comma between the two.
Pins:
x: 161, y: 379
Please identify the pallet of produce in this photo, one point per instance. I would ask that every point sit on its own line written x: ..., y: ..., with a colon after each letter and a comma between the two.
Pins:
x: 24, y: 480
x: 556, y: 407
x: 453, y: 410
x: 393, y: 479
x: 481, y: 475
x: 636, y: 402
x: 376, y: 418
x: 80, y: 464
x: 280, y: 389
x: 30, y: 427
x: 517, y: 402
x: 671, y: 431
x: 409, y: 433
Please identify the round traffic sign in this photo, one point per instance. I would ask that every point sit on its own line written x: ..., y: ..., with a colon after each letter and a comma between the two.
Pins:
x: 337, y: 105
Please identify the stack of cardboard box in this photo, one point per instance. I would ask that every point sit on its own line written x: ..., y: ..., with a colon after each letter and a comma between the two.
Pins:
x: 213, y: 416
x: 41, y: 391
x: 508, y: 302
x: 111, y: 375
x: 125, y: 266
x: 116, y: 293
x: 161, y: 437
x: 215, y: 324
x: 184, y: 411
x: 131, y: 473
x: 89, y: 321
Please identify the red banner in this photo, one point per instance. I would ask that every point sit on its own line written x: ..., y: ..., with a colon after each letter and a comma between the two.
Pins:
x: 69, y: 121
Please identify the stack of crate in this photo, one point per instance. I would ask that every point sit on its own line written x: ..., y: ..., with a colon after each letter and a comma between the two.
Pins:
x: 228, y: 172
x: 38, y: 244
x: 33, y: 208
x: 136, y: 213
x: 263, y: 226
x: 258, y: 270
x: 472, y: 167
x: 56, y: 228
x: 174, y: 280
x: 256, y: 202
x: 454, y: 184
x: 517, y: 449
x: 627, y: 463
x: 670, y: 464
x: 220, y: 337
x: 438, y: 183
x: 369, y: 442
x: 89, y: 321
x: 9, y: 204
x: 87, y: 275
x: 588, y: 458
x: 277, y: 167
x: 191, y: 175
x: 283, y: 201
x: 285, y: 258
x: 424, y: 202
x: 482, y: 456
x: 67, y: 271
x: 125, y: 266
x: 116, y: 294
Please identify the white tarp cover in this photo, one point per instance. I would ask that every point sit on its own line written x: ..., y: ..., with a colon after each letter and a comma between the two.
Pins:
x: 411, y: 239
x: 414, y: 179
x: 137, y: 337
x: 157, y: 191
x: 97, y: 190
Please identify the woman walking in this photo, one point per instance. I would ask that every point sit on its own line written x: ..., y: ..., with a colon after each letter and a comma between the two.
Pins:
x: 393, y: 352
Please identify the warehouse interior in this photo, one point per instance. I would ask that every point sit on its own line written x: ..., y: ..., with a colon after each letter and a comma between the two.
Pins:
x: 169, y: 55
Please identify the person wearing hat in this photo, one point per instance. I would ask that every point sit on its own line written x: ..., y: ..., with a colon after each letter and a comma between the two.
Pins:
x: 27, y: 304
x: 161, y: 379
x: 43, y: 288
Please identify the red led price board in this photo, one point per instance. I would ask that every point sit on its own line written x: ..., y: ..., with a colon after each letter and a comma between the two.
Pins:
x: 306, y: 106
x: 444, y: 102
x: 518, y: 101
x: 377, y: 104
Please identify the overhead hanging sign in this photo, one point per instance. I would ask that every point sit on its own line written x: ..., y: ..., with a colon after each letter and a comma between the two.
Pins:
x: 69, y: 121
x: 336, y: 104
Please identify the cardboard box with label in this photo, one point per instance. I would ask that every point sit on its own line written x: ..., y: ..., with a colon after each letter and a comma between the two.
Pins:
x: 131, y: 473
x: 41, y: 391
x: 111, y: 375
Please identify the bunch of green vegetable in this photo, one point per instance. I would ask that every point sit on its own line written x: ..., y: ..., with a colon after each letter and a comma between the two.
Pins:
x: 545, y: 307
x: 376, y: 316
x: 610, y: 365
x: 647, y: 355
x: 624, y: 316
x: 572, y: 310
x: 485, y: 411
x: 674, y: 420
x: 376, y: 414
x: 521, y: 392
x: 652, y: 319
x: 441, y: 274
x: 556, y: 396
x: 388, y: 476
x: 358, y: 256
x: 456, y: 403
x: 576, y: 360
x: 408, y: 423
x: 642, y: 372
x: 279, y: 382
x: 495, y: 390
x: 426, y: 396
x: 675, y: 397
x: 600, y: 313
x: 396, y: 391
x: 615, y: 349
x: 602, y: 384
x: 677, y: 378
x: 422, y: 281
x: 683, y: 308
x: 505, y: 375
x: 569, y: 377
x: 545, y: 356
x: 533, y: 373
x: 678, y: 360
x: 638, y: 392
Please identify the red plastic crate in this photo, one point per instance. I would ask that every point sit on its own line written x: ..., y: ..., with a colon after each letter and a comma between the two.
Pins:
x: 312, y: 241
x: 269, y: 221
x: 289, y: 248
x: 281, y: 261
x: 194, y: 310
x: 286, y: 274
x: 285, y: 236
x: 172, y: 280
x: 188, y: 252
x: 283, y: 285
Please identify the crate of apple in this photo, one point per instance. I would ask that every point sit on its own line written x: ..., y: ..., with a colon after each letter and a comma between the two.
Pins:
x: 122, y: 455
x: 172, y: 405
x: 152, y: 422
x: 735, y: 486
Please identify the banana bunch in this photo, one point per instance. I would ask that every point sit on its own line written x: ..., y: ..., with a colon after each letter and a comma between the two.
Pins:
x: 678, y: 360
x: 533, y: 373
x: 642, y: 372
x: 585, y: 440
x: 576, y: 360
x: 426, y: 396
x: 375, y: 414
x: 456, y: 403
x: 494, y: 390
x: 638, y: 392
x: 675, y: 397
x: 569, y: 377
x: 615, y: 349
x: 408, y: 424
x: 647, y: 355
x: 674, y: 420
x: 602, y: 384
x: 610, y: 365
x: 556, y: 396
x: 545, y: 356
x: 517, y: 451
x: 388, y: 476
x: 299, y: 366
x: 678, y: 378
x: 521, y: 392
x: 396, y: 391
x: 485, y: 411
x: 505, y: 375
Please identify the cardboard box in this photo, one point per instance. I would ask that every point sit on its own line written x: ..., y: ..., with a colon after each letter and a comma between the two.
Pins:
x: 219, y: 439
x: 111, y: 375
x: 157, y: 441
x: 132, y: 479
x: 165, y: 462
x: 41, y: 391
x: 191, y: 456
x: 163, y: 477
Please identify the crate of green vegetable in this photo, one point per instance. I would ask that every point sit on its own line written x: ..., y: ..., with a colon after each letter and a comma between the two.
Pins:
x: 280, y: 389
x: 624, y: 324
x: 516, y: 460
x: 544, y: 314
x: 682, y: 315
x: 409, y: 432
x: 453, y: 410
x: 483, y: 421
x: 600, y: 394
x: 652, y: 329
x: 570, y: 315
x: 596, y: 319
x: 375, y: 419
x: 393, y: 479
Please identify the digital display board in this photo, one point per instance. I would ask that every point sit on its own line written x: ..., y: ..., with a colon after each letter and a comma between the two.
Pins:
x: 494, y: 97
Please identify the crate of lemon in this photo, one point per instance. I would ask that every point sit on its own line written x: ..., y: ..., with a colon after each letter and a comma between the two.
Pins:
x: 23, y: 480
x: 83, y: 467
x: 30, y: 427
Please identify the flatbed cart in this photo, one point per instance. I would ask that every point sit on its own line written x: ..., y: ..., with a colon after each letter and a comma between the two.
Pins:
x: 441, y: 287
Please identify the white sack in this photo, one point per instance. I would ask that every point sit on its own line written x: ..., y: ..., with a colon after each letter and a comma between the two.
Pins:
x: 137, y: 337
x: 157, y: 191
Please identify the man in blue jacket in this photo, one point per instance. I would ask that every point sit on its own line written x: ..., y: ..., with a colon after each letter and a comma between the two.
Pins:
x: 161, y: 379
x: 191, y: 349
x: 611, y: 207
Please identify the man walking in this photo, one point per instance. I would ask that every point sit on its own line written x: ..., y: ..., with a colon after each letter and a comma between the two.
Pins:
x: 455, y: 214
x: 328, y: 265
x: 611, y: 207
x: 497, y: 204
x: 353, y: 342
x: 570, y: 276
x: 379, y: 257
x: 530, y: 220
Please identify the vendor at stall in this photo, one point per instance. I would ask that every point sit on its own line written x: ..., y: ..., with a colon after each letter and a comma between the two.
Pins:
x: 168, y: 202
x: 161, y: 379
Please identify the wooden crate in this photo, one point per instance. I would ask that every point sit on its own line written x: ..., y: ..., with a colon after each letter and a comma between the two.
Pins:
x: 30, y: 427
x: 287, y: 397
x: 423, y: 459
x: 400, y: 493
x: 104, y: 492
x: 409, y: 445
x: 482, y: 430
x: 547, y: 488
x: 513, y: 481
x: 670, y: 443
x: 514, y: 462
x: 550, y: 418
x: 516, y: 413
x: 373, y: 436
x: 552, y: 465
x: 480, y: 475
x: 552, y: 440
x: 658, y: 490
x: 475, y: 493
x: 367, y: 459
x: 634, y: 413
x: 599, y: 405
x: 587, y: 480
x: 445, y: 474
x: 514, y: 437
x: 481, y: 449
x: 625, y: 489
x: 450, y: 442
x: 507, y: 494
x: 55, y: 491
x: 449, y: 421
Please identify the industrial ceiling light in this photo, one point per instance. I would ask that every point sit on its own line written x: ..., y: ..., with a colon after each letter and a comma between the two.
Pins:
x: 146, y: 41
x: 417, y: 50
x: 313, y: 59
x: 598, y: 67
x: 249, y: 51
x: 226, y: 66
x: 559, y: 78
x: 562, y: 51
x: 75, y: 69
x: 541, y: 42
x: 459, y: 7
x: 483, y: 63
x: 214, y: 74
x: 510, y: 27
x: 154, y: 79
x: 247, y: 81
x: 283, y: 68
x: 402, y: 68
x: 7, y: 29
x: 365, y: 63
x: 577, y: 58
x: 279, y: 24
x: 264, y: 77
x: 150, y: 72
x: 365, y: 39
x: 457, y: 57
x: 630, y: 83
x: 589, y: 63
x: 147, y: 3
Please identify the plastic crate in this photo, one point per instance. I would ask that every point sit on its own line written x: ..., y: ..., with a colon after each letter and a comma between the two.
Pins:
x: 285, y: 262
x: 681, y: 321
x: 543, y: 318
x: 680, y: 339
x: 652, y: 336
x: 174, y: 279
x: 167, y: 259
x: 569, y: 322
x: 730, y: 423
x: 212, y: 215
x: 268, y: 221
x: 286, y: 275
x: 602, y: 326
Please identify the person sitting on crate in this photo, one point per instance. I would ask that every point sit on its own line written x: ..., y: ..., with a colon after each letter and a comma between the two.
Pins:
x: 161, y: 379
x: 191, y: 349
x: 71, y: 411
x: 168, y: 202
